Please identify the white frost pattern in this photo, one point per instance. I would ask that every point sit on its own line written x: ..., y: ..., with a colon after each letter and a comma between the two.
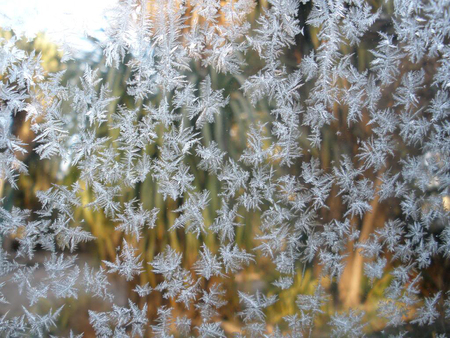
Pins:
x: 387, y: 121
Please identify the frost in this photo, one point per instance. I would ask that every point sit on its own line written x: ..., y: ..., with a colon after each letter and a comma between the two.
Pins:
x: 221, y: 140
x: 127, y: 263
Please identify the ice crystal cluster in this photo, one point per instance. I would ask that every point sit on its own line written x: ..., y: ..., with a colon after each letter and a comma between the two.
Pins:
x: 346, y: 177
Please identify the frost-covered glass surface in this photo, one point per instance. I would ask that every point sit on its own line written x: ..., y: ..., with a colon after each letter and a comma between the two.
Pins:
x: 230, y: 168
